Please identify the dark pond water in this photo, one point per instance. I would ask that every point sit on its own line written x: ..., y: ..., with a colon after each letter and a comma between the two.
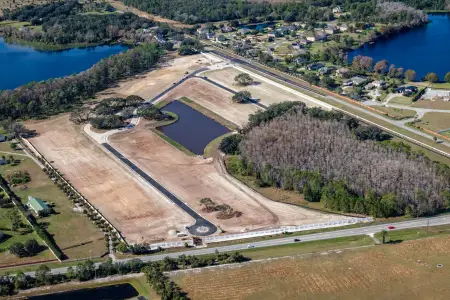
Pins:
x: 424, y: 49
x: 193, y: 130
x: 112, y: 292
x: 259, y: 27
x: 21, y: 64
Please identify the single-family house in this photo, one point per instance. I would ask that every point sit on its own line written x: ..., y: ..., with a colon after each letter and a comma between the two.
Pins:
x: 320, y: 36
x: 220, y: 38
x: 379, y: 83
x: 343, y: 72
x: 338, y: 9
x: 292, y: 28
x: 296, y: 46
x: 310, y: 36
x: 343, y: 27
x: 356, y: 81
x: 2, y: 138
x: 304, y: 42
x: 39, y: 206
x: 331, y: 29
x: 325, y: 70
x: 210, y: 35
x: 202, y: 30
x: 244, y: 31
x: 407, y: 90
x: 315, y: 66
x: 253, y: 52
x: 300, y: 60
x: 226, y: 29
x: 271, y: 34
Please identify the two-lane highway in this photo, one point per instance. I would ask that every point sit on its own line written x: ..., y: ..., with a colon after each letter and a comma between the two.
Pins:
x: 416, y: 223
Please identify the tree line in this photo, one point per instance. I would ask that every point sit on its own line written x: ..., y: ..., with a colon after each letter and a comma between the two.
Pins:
x: 38, y: 99
x: 85, y: 271
x: 62, y: 24
x: 309, y: 11
x: 342, y: 164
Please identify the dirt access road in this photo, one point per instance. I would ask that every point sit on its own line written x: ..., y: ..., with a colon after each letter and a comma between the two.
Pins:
x: 138, y: 211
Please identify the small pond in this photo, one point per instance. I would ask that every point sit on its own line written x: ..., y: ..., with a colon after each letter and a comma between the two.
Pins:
x: 111, y: 292
x: 193, y: 130
x: 258, y: 27
x: 22, y: 64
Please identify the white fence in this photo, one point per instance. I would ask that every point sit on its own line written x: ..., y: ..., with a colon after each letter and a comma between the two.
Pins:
x: 281, y: 230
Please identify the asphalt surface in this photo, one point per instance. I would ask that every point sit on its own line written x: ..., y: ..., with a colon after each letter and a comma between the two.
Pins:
x: 420, y: 222
x: 202, y: 227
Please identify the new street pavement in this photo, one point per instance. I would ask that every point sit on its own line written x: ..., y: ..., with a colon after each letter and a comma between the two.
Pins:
x: 416, y: 223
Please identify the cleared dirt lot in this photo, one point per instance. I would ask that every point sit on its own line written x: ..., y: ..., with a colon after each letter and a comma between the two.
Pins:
x: 193, y: 178
x: 150, y: 84
x: 139, y: 212
x: 213, y: 98
x: 267, y: 93
x: 404, y: 271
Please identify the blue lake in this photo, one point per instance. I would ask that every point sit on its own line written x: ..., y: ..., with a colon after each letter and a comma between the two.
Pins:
x: 21, y: 64
x: 424, y: 49
x: 193, y: 130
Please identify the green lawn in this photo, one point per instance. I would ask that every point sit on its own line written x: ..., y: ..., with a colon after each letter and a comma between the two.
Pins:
x: 64, y: 220
x: 397, y: 113
x: 398, y: 236
x: 401, y: 100
x: 20, y: 236
x: 15, y: 24
x: 214, y: 144
x: 435, y: 121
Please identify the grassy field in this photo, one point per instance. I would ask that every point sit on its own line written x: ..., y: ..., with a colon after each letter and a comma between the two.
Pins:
x: 64, y: 220
x: 407, y: 270
x: 401, y: 100
x: 20, y: 236
x: 397, y: 113
x: 13, y: 4
x: 436, y: 104
x: 214, y: 144
x: 435, y: 121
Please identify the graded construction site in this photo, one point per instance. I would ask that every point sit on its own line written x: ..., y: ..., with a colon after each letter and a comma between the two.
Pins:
x: 135, y: 208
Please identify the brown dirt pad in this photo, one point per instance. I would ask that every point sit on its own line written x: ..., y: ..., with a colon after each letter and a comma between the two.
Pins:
x: 404, y: 271
x: 193, y: 178
x: 213, y: 98
x: 139, y: 212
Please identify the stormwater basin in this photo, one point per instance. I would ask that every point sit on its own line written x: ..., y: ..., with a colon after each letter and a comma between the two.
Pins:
x: 110, y: 292
x: 193, y: 130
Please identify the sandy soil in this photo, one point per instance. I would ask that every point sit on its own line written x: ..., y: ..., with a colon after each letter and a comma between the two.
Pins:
x: 267, y: 93
x: 140, y: 213
x: 122, y: 7
x: 213, y: 98
x: 156, y: 81
x: 193, y: 178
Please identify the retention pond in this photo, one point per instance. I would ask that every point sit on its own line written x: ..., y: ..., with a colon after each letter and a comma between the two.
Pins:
x: 111, y: 292
x: 193, y: 130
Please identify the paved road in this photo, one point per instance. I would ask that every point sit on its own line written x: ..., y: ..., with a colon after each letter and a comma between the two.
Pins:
x: 321, y: 94
x: 202, y: 227
x: 421, y: 222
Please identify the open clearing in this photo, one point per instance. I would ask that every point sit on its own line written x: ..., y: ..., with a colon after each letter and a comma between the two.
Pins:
x: 404, y: 271
x: 432, y: 104
x: 214, y: 99
x: 264, y: 91
x: 193, y: 178
x: 136, y: 210
x: 435, y: 121
x: 150, y: 84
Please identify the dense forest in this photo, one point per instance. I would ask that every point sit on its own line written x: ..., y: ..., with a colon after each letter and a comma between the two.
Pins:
x: 55, y: 95
x: 200, y: 11
x: 64, y: 23
x: 324, y: 156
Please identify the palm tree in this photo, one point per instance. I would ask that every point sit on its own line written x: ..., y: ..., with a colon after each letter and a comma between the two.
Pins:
x: 384, y: 234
